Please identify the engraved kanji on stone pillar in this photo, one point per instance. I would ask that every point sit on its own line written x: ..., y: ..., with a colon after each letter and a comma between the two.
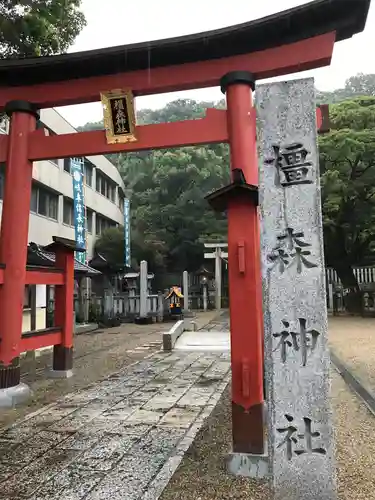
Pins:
x: 296, y: 353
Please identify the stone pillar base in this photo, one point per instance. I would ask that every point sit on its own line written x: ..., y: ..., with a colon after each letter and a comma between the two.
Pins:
x: 188, y: 314
x: 12, y: 396
x: 248, y: 465
x: 59, y: 373
x: 139, y: 320
x: 62, y: 359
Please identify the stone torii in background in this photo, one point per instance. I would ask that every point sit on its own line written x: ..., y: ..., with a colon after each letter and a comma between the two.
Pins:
x: 218, y: 254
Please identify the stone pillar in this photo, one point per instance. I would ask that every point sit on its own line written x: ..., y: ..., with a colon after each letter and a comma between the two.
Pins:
x: 160, y: 307
x: 87, y: 295
x: 205, y: 297
x: 295, y: 318
x: 331, y: 299
x: 185, y: 291
x: 143, y: 290
x: 218, y: 279
x: 108, y: 303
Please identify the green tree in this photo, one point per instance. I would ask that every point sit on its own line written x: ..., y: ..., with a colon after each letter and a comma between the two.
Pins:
x: 347, y: 162
x: 167, y: 190
x: 38, y: 27
x: 111, y: 245
x: 358, y: 85
x: 170, y: 217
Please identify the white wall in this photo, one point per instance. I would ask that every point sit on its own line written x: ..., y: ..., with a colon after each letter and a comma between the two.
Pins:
x: 59, y: 125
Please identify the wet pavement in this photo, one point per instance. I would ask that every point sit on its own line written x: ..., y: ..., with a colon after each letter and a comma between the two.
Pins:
x: 121, y: 438
x: 219, y: 324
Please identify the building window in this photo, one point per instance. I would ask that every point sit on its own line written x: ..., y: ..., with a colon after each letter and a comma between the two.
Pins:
x: 87, y: 171
x: 89, y: 215
x: 68, y: 212
x: 34, y: 199
x: 102, y: 223
x: 2, y: 180
x: 98, y: 225
x: 67, y: 165
x: 112, y: 193
x: 105, y: 187
x: 121, y: 200
x: 27, y: 297
x: 98, y: 181
x: 40, y: 125
x: 44, y: 202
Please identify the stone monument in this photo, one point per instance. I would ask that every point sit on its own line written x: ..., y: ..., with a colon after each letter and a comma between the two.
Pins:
x: 301, y: 453
x: 185, y: 291
x: 143, y: 290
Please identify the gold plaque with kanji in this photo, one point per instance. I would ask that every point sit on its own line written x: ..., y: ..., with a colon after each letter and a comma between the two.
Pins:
x: 119, y: 116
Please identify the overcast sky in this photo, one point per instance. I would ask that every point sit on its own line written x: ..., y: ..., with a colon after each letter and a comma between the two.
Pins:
x: 121, y: 22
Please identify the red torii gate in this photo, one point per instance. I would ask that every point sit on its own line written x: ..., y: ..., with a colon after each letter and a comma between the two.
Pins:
x: 234, y: 57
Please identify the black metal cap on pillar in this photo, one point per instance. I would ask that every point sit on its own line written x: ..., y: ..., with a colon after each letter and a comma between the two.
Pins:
x: 237, y: 77
x: 21, y: 107
x: 220, y: 199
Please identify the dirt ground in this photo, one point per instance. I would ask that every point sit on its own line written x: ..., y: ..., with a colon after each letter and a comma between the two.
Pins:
x: 353, y: 341
x: 96, y: 356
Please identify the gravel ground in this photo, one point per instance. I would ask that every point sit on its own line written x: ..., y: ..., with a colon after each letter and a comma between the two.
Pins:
x: 202, y: 475
x: 96, y: 356
x: 353, y: 341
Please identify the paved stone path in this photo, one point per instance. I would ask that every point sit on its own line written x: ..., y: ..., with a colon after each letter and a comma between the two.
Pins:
x: 121, y: 438
x: 219, y: 324
x: 97, y: 355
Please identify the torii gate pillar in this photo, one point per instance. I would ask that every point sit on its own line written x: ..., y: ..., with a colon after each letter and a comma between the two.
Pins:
x: 240, y: 199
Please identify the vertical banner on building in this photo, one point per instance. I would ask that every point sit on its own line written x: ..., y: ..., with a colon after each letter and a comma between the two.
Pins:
x: 127, y: 232
x: 76, y: 169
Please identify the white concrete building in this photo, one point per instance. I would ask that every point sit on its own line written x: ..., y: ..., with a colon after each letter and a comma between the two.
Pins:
x: 51, y: 209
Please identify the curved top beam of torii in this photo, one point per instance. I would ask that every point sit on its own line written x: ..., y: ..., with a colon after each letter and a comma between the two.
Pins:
x: 294, y: 40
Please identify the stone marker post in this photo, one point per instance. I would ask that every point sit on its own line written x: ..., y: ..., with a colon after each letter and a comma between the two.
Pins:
x: 295, y: 318
x: 205, y: 297
x: 160, y: 307
x: 143, y: 289
x: 185, y: 290
x: 331, y: 299
x: 218, y: 265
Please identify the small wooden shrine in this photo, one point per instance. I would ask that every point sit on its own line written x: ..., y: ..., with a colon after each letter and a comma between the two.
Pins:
x: 175, y: 297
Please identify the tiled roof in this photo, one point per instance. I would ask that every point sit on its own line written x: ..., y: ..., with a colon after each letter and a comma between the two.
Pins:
x: 49, y: 258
